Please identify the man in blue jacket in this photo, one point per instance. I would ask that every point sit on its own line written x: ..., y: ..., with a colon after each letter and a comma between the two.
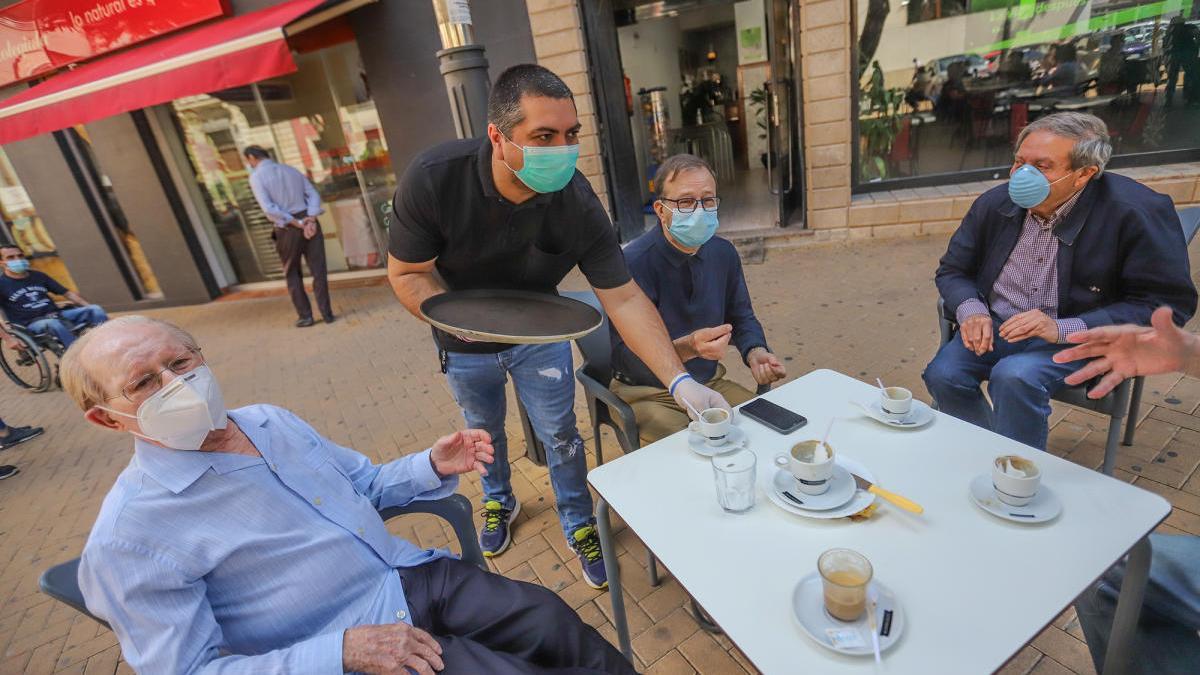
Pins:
x: 1062, y: 248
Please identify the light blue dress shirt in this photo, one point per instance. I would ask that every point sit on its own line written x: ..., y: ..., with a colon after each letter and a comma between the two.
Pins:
x: 282, y: 190
x: 209, y: 562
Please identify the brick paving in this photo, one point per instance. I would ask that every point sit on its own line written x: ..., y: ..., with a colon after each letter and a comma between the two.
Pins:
x: 371, y: 382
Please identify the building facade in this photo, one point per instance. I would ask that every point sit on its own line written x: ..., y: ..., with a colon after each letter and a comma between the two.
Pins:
x: 824, y: 119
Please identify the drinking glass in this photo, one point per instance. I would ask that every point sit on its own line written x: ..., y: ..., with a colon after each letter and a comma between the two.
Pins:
x: 845, y: 574
x: 734, y: 473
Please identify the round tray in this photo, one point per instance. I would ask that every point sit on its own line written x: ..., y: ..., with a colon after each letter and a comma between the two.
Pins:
x: 511, y: 316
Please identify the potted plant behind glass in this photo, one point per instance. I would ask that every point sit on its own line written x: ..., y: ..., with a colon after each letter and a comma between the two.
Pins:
x: 758, y: 101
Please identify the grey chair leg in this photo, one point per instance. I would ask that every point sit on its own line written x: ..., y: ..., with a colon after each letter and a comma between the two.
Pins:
x: 703, y: 619
x: 1119, y: 409
x: 596, y: 436
x: 652, y: 568
x: 1119, y: 656
x: 1135, y: 403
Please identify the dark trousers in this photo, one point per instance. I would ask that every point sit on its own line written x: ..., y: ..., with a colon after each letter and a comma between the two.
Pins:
x: 291, y: 246
x: 487, y: 623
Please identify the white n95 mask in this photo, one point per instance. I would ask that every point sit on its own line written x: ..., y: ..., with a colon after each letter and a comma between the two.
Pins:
x: 181, y: 414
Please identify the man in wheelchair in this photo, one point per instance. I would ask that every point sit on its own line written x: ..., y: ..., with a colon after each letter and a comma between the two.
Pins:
x: 244, y: 541
x: 25, y: 299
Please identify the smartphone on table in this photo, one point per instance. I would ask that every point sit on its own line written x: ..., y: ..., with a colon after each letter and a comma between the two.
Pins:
x: 773, y: 416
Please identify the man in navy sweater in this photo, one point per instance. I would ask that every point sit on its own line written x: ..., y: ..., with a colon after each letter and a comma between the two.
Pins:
x: 1062, y: 248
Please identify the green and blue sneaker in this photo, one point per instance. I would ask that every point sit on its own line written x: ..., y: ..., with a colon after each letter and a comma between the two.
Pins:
x: 497, y: 522
x: 586, y: 545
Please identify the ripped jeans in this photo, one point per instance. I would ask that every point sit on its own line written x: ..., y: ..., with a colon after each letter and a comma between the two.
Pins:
x: 545, y: 382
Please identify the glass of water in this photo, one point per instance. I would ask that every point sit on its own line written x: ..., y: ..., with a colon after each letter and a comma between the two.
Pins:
x: 734, y: 473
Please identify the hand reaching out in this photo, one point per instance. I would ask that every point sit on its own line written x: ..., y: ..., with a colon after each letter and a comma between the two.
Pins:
x: 462, y: 451
x: 1120, y: 352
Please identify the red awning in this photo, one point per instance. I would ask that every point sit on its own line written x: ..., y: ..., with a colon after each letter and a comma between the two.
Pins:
x: 227, y: 53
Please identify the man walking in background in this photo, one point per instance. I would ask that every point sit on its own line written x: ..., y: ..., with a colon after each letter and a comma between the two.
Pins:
x: 292, y: 203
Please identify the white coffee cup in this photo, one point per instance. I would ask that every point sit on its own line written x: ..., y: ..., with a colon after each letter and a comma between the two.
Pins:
x: 1015, y: 479
x: 713, y: 425
x: 811, y: 471
x: 895, y: 402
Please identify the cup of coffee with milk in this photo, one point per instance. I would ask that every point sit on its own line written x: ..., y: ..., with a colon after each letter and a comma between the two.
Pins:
x: 811, y: 465
x: 895, y: 402
x: 713, y: 425
x: 1015, y: 479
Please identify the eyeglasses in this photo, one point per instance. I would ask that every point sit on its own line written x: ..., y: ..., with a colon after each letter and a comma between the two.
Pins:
x: 688, y: 204
x: 137, y: 391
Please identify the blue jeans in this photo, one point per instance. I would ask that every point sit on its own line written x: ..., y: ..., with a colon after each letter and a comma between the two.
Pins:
x: 543, y: 378
x: 1021, y: 379
x: 1166, y: 640
x: 91, y: 315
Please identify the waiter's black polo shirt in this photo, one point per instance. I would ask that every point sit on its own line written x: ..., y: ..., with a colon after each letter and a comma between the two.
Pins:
x: 447, y: 207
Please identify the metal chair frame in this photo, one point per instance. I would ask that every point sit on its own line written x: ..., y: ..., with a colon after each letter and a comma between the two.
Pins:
x: 1120, y: 404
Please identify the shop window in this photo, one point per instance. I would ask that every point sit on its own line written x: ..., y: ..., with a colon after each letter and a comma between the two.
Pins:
x: 320, y: 120
x: 948, y: 97
x: 131, y: 258
x: 24, y: 228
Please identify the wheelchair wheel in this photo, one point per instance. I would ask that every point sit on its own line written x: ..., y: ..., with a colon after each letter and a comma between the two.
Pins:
x: 26, y: 366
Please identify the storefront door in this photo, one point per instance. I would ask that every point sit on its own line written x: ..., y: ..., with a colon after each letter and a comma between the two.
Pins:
x: 714, y: 79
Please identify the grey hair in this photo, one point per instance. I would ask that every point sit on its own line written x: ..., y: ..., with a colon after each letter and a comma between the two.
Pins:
x: 524, y: 79
x: 1090, y: 133
x: 677, y: 164
x: 75, y: 370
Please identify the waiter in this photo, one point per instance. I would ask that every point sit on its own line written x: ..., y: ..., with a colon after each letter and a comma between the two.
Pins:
x: 292, y: 203
x: 510, y: 211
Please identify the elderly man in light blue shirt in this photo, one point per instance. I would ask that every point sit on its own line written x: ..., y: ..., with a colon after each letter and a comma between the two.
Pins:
x: 243, y: 541
x: 292, y: 204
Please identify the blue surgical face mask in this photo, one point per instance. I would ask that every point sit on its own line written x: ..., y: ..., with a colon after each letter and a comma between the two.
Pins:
x: 20, y: 266
x: 691, y: 230
x: 546, y: 169
x: 1028, y: 187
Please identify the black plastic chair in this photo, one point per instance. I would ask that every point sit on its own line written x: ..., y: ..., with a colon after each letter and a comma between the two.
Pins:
x: 1120, y: 404
x: 61, y: 582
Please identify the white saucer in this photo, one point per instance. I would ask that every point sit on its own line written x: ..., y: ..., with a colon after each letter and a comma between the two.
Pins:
x: 841, y: 490
x: 861, y: 500
x: 1045, y: 505
x: 735, y: 439
x: 918, y: 416
x: 808, y: 605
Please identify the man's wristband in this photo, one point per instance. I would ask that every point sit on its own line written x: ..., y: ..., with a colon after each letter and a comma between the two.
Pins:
x: 675, y: 382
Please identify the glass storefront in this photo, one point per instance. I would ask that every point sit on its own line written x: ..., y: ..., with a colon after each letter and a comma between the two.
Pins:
x: 130, y: 255
x: 24, y: 228
x: 320, y: 120
x: 945, y: 86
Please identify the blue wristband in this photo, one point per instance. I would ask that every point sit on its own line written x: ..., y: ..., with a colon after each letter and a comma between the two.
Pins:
x: 678, y: 378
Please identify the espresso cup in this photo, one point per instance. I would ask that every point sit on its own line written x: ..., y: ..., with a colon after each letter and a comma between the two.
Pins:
x: 713, y: 425
x: 895, y: 401
x: 1018, y: 486
x: 810, y: 471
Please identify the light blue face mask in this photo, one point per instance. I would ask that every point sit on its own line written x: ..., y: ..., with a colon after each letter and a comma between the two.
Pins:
x: 17, y: 266
x: 691, y: 230
x: 1028, y: 187
x: 546, y: 169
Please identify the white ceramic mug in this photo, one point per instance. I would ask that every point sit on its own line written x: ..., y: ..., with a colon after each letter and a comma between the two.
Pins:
x: 811, y: 474
x: 713, y: 425
x: 895, y: 402
x: 1015, y: 489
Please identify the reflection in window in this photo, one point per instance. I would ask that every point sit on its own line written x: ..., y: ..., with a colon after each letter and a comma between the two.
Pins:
x: 320, y: 120
x: 946, y: 85
x: 25, y: 229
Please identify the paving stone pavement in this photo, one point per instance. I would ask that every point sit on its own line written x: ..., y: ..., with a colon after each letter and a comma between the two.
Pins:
x: 371, y: 382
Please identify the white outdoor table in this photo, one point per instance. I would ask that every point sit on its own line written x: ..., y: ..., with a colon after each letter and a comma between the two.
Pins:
x: 974, y: 589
